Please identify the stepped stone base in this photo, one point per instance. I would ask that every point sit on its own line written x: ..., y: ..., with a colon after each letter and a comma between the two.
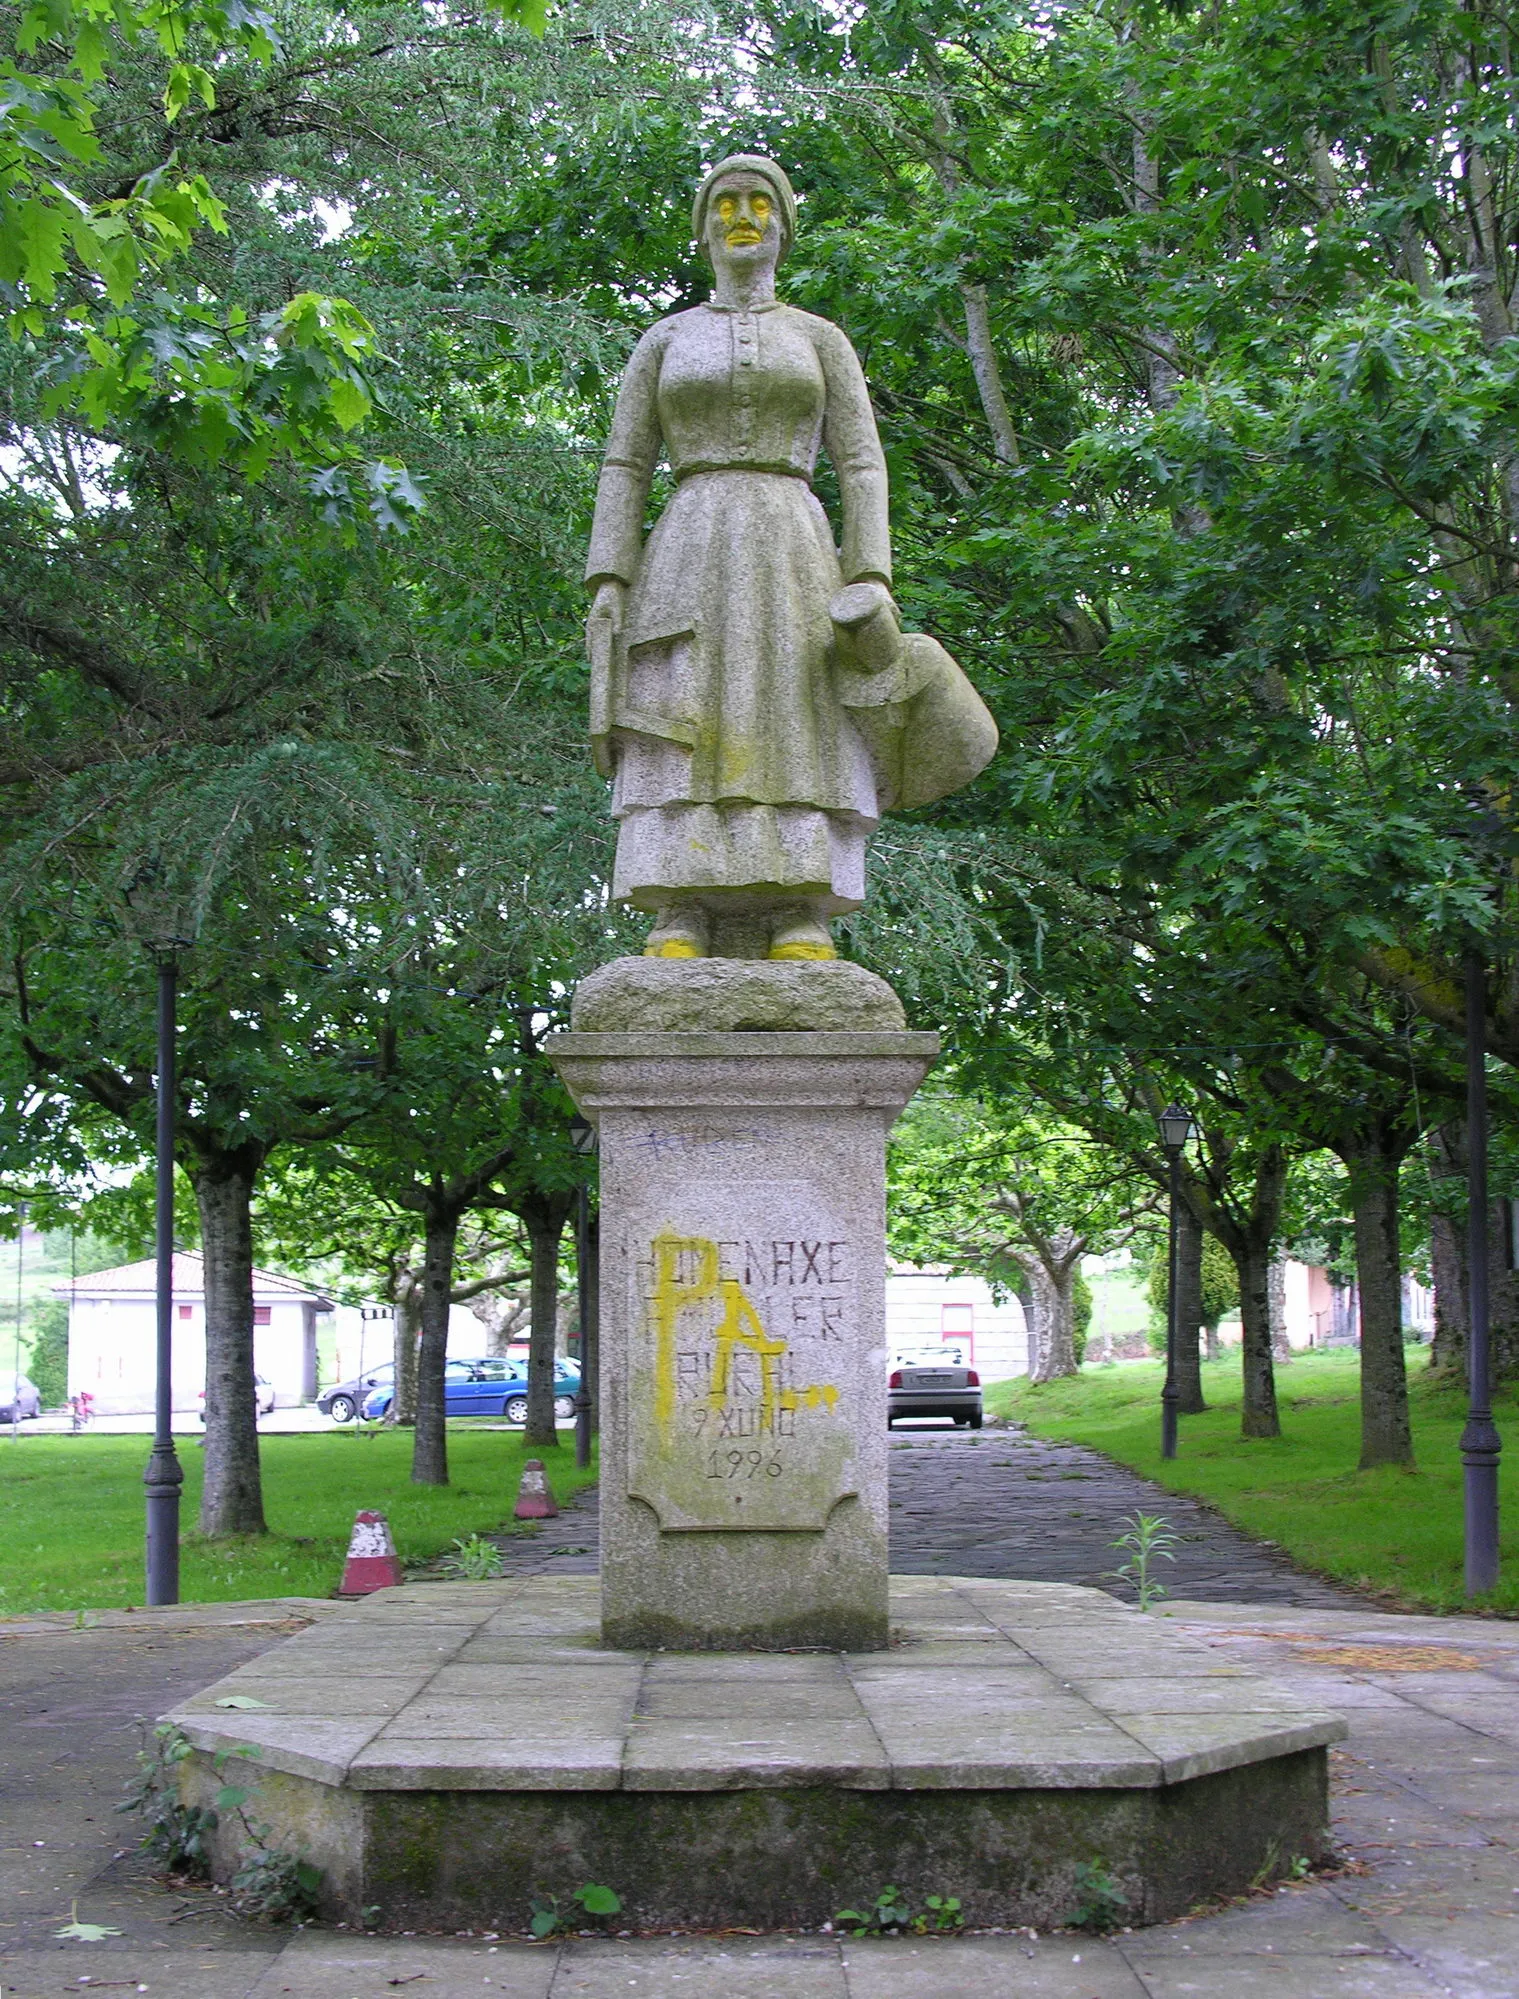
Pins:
x: 445, y: 1752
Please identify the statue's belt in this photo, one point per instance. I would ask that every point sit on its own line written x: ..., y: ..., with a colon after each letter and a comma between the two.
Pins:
x: 684, y: 472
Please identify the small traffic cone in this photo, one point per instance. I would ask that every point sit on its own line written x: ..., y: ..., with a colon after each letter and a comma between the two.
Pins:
x: 372, y: 1559
x: 534, y: 1500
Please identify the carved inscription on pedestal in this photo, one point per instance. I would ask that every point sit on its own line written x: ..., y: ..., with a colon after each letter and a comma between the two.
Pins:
x: 742, y: 1383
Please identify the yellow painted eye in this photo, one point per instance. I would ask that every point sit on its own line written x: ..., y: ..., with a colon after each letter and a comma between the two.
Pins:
x: 761, y: 204
x: 727, y: 207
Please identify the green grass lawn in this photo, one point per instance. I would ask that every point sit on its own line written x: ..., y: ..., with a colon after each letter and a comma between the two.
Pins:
x: 1395, y: 1532
x: 71, y: 1512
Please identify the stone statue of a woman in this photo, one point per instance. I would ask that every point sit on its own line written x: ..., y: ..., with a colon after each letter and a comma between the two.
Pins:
x: 752, y: 695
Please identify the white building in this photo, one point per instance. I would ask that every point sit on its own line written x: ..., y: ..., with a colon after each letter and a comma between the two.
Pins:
x: 928, y: 1311
x: 113, y: 1335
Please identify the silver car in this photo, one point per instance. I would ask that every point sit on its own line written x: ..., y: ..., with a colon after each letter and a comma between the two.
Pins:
x: 934, y: 1388
x: 18, y: 1398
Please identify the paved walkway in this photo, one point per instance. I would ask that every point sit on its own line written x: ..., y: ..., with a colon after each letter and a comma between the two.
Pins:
x: 1003, y: 1503
x: 1427, y: 1802
x: 1426, y: 1798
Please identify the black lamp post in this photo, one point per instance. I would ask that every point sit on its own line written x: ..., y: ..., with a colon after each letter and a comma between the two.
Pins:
x: 583, y: 1138
x: 1175, y: 1130
x: 1480, y: 1442
x: 162, y: 924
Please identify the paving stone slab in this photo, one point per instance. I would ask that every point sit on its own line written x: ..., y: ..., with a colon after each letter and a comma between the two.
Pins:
x: 672, y: 1755
x: 472, y: 1762
x: 1290, y: 1976
x: 312, y: 1746
x: 316, y: 1966
x: 738, y: 1968
x: 989, y: 1968
x: 45, y: 1974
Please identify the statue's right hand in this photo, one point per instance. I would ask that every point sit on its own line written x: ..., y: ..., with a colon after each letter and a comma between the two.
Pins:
x: 603, y: 626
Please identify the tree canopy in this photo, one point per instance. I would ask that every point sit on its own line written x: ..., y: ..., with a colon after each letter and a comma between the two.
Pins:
x: 1191, y: 338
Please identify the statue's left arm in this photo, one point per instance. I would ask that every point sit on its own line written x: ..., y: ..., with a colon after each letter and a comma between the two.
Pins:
x: 854, y: 447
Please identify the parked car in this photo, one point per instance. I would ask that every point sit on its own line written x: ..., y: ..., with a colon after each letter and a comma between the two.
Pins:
x: 488, y: 1388
x: 263, y: 1397
x: 934, y: 1388
x: 344, y: 1402
x: 19, y: 1400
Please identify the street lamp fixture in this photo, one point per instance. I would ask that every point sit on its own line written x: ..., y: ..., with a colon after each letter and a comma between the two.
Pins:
x: 583, y: 1139
x: 162, y: 922
x: 1175, y: 1130
x: 1175, y: 1127
x: 582, y: 1135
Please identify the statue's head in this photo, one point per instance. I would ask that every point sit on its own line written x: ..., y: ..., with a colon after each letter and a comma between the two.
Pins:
x: 744, y: 212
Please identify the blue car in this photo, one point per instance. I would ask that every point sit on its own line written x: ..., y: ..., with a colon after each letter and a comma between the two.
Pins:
x: 488, y: 1388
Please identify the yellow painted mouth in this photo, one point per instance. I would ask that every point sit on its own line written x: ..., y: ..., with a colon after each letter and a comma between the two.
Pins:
x: 818, y: 953
x: 738, y: 237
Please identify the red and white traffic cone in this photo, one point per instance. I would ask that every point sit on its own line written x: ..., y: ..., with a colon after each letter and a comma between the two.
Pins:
x: 372, y: 1559
x: 534, y: 1500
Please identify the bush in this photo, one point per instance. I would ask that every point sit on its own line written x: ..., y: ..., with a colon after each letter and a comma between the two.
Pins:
x: 1220, y: 1289
x: 49, y: 1363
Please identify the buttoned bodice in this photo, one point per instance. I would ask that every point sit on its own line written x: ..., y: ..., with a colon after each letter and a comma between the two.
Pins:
x: 727, y: 390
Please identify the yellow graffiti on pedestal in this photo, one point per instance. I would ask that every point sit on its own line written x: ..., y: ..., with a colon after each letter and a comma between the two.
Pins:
x: 740, y: 1326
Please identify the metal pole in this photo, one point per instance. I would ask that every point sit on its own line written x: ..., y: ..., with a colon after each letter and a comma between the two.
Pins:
x: 16, y: 1383
x: 164, y: 1475
x: 583, y: 1300
x: 592, y: 1362
x: 1480, y: 1442
x: 1170, y: 1395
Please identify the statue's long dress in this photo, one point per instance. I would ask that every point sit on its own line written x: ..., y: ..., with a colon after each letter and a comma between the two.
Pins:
x: 735, y: 766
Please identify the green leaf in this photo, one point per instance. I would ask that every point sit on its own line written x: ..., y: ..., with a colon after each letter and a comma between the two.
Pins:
x: 241, y: 1701
x: 78, y: 1932
x: 529, y: 14
x: 42, y: 227
x: 598, y: 1901
x: 349, y: 401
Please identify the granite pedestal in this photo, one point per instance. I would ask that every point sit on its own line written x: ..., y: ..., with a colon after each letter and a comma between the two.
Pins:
x: 446, y: 1751
x: 743, y: 1317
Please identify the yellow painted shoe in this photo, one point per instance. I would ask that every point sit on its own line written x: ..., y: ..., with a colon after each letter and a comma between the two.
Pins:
x: 674, y: 947
x: 802, y: 948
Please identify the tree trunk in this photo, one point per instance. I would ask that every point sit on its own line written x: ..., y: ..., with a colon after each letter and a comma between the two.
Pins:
x: 1189, y: 1310
x: 1276, y: 1299
x: 1386, y: 1438
x: 1502, y: 1291
x: 1212, y: 1346
x: 232, y: 1500
x: 1250, y: 1240
x: 1056, y: 1309
x: 500, y: 1312
x: 408, y: 1303
x: 983, y: 361
x: 429, y: 1448
x: 1258, y: 1417
x: 1447, y: 1256
x: 545, y: 1216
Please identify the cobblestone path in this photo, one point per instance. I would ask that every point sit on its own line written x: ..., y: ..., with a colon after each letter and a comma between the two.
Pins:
x: 1003, y: 1503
